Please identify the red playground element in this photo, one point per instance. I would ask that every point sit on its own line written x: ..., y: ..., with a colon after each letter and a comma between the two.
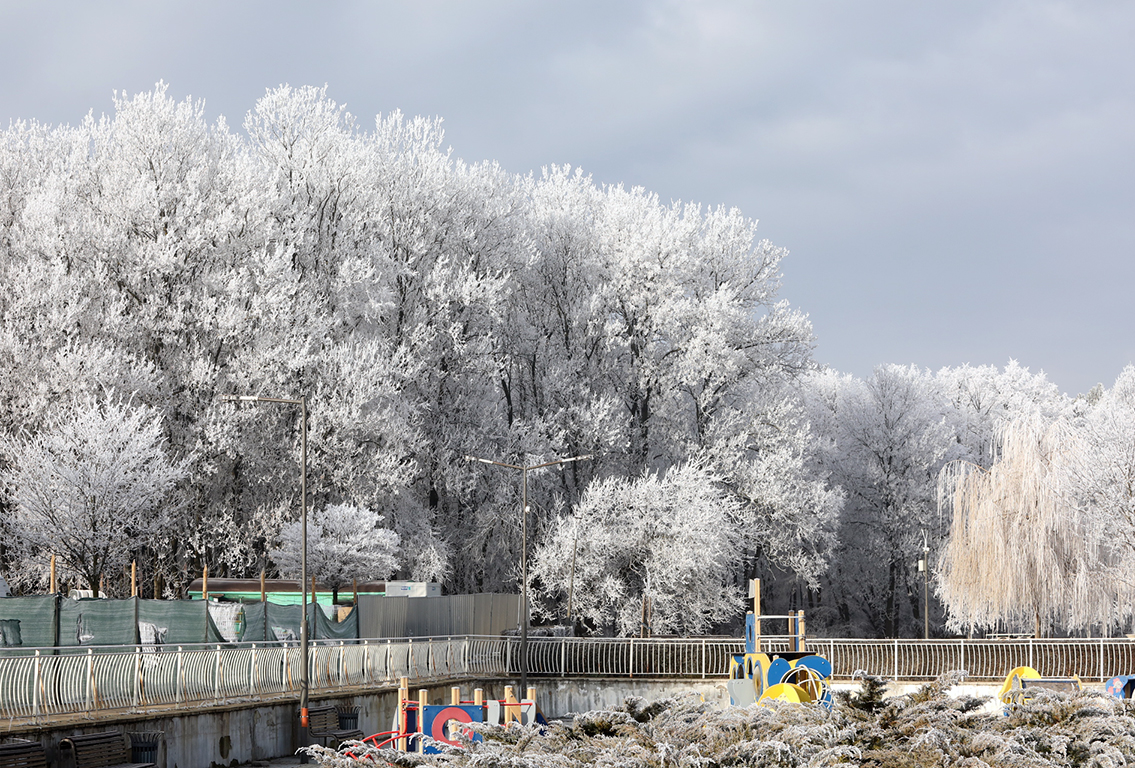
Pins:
x: 442, y: 723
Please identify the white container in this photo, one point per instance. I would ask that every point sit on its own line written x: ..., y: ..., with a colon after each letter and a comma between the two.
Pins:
x: 413, y: 589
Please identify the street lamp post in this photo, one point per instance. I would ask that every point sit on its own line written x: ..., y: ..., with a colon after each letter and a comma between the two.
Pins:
x: 925, y: 587
x: 524, y: 470
x: 305, y: 723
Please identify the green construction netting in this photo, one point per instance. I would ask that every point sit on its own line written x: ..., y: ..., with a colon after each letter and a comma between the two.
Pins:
x: 174, y: 622
x: 283, y: 623
x: 27, y: 622
x: 97, y: 622
x: 327, y: 628
x: 271, y: 622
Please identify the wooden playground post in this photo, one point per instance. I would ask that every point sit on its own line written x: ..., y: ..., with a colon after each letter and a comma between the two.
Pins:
x: 205, y: 584
x: 403, y: 702
x: 478, y: 697
x: 53, y: 583
x: 263, y: 592
x: 423, y: 702
x: 134, y: 578
x: 800, y: 629
x: 509, y: 699
x: 455, y: 696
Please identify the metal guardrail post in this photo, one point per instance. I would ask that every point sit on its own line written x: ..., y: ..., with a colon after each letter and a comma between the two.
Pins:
x: 1031, y: 664
x: 180, y: 674
x: 703, y: 658
x: 36, y: 686
x: 1101, y: 660
x: 896, y: 659
x: 90, y: 677
x: 217, y: 674
x: 563, y: 656
x: 137, y: 674
x: 508, y: 656
x: 962, y: 646
x: 630, y: 665
x: 252, y: 668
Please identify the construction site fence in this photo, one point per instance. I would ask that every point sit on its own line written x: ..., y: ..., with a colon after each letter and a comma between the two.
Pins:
x: 43, y: 684
x: 50, y: 620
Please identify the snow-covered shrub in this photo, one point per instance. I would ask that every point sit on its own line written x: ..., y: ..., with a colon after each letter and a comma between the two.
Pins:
x: 924, y: 728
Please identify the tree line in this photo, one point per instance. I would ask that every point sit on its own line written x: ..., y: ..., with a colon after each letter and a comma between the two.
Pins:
x: 429, y: 309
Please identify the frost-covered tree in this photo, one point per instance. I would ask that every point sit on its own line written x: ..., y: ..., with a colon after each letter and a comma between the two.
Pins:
x: 882, y: 441
x: 1103, y: 477
x: 90, y: 488
x: 427, y: 308
x: 981, y: 398
x: 654, y: 553
x: 1021, y: 549
x: 344, y: 543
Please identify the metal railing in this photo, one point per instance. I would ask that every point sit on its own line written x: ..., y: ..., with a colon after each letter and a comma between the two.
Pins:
x: 43, y: 684
x: 697, y: 657
x: 47, y: 683
x: 1096, y: 659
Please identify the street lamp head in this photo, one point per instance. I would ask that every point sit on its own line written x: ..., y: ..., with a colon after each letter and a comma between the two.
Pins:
x: 478, y: 458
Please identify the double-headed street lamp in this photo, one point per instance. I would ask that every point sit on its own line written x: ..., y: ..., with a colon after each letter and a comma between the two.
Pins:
x: 524, y: 551
x: 305, y: 723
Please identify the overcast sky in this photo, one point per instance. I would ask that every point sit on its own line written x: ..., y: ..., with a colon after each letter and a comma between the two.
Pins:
x: 953, y: 181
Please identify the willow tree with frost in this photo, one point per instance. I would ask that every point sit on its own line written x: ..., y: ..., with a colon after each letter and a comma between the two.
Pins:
x: 1020, y: 549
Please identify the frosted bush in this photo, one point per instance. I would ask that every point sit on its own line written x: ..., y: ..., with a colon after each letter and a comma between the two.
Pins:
x: 924, y: 728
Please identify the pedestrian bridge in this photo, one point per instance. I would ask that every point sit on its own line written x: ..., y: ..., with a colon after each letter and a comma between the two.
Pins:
x: 46, y: 687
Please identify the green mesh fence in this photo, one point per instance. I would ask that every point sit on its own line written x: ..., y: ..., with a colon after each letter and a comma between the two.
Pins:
x: 97, y: 622
x: 327, y: 628
x: 27, y: 622
x: 30, y: 622
x: 173, y: 622
x: 272, y: 621
x: 255, y: 627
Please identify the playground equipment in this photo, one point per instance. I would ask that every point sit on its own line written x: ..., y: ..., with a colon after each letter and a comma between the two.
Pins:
x: 794, y: 674
x: 418, y: 725
x: 1121, y: 686
x: 1014, y: 691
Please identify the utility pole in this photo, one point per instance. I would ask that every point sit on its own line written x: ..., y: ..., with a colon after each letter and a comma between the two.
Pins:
x: 305, y: 722
x: 524, y: 470
x: 924, y: 566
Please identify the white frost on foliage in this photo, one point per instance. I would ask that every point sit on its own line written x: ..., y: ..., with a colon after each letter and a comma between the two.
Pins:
x: 666, y: 542
x: 90, y: 487
x: 344, y: 543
